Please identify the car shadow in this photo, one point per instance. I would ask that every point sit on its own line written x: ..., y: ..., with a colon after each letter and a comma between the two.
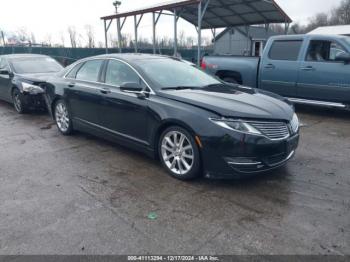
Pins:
x: 323, y: 111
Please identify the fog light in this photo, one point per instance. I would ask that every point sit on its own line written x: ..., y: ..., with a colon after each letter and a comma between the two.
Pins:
x: 242, y: 161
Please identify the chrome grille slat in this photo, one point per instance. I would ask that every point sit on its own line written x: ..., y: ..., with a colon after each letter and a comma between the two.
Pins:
x: 272, y: 130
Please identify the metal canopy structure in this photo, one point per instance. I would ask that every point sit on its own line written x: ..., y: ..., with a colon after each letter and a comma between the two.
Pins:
x: 203, y: 14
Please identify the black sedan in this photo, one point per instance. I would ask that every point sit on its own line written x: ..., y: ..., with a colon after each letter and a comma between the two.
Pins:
x: 169, y: 109
x: 21, y: 79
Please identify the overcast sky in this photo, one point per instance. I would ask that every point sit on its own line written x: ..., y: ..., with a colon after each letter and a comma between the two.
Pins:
x: 47, y: 18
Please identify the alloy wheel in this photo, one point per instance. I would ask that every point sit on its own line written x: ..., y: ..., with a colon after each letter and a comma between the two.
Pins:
x: 177, y: 152
x: 62, y: 117
x: 17, y: 102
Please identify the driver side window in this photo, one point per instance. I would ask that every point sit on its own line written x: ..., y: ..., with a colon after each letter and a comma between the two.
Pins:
x: 118, y: 73
x: 324, y: 51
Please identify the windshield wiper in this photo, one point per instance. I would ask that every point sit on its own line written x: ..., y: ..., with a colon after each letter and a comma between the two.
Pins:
x: 180, y: 88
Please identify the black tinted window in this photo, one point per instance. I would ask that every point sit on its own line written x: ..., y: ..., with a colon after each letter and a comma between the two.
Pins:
x: 118, y: 73
x: 89, y: 71
x: 285, y: 50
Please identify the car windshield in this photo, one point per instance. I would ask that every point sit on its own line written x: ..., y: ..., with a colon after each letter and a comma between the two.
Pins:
x: 171, y: 73
x: 33, y: 65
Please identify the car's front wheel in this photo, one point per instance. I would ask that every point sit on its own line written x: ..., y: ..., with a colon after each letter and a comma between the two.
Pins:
x: 179, y: 153
x: 62, y: 118
x: 18, y: 101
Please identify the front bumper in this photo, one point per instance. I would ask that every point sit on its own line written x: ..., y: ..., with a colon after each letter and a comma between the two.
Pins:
x: 34, y: 101
x: 242, y: 155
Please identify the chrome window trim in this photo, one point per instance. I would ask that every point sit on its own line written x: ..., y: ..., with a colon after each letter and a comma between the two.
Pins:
x: 105, y: 59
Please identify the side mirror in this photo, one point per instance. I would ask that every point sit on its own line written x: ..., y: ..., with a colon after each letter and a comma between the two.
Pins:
x: 131, y: 87
x: 343, y: 57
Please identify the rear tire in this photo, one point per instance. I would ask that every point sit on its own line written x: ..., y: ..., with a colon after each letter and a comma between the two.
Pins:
x: 18, y: 102
x: 62, y: 118
x: 179, y: 153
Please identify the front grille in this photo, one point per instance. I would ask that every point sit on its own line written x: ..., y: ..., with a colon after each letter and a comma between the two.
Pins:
x: 272, y: 130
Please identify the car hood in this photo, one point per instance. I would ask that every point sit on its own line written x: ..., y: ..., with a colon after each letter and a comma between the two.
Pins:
x: 38, y: 77
x: 234, y: 103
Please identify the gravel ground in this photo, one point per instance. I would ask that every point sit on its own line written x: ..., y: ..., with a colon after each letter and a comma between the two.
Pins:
x: 82, y: 195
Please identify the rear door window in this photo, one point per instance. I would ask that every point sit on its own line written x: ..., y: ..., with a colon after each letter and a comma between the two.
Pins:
x: 285, y: 50
x: 90, y: 71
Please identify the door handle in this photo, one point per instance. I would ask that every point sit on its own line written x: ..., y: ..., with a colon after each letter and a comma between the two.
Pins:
x: 71, y: 85
x: 270, y: 66
x: 105, y: 91
x: 308, y: 68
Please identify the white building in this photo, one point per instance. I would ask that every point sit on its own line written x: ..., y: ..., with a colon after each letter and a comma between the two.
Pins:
x: 242, y: 40
x: 332, y: 30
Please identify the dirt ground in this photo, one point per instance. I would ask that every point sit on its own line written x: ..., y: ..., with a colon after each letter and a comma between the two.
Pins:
x: 82, y: 195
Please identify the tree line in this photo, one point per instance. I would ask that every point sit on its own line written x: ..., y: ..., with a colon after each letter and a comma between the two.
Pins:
x: 338, y: 16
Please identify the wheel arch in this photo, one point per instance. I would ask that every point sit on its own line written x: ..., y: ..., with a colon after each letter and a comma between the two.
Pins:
x: 53, y: 103
x: 163, y: 126
x: 228, y: 73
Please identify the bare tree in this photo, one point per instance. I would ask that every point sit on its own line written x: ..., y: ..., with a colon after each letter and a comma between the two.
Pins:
x: 63, y: 39
x: 48, y: 40
x: 22, y: 34
x: 73, y: 36
x: 182, y: 39
x: 341, y: 15
x: 90, y: 34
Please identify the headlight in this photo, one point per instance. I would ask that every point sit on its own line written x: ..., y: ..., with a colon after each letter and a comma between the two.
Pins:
x: 32, y: 88
x: 295, y: 123
x: 236, y: 125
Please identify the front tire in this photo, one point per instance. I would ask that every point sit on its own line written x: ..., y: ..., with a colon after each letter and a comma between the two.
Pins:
x: 62, y: 118
x: 18, y: 102
x: 179, y: 153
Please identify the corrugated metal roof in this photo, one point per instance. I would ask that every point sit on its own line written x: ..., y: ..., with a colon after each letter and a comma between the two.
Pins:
x: 220, y: 13
x: 332, y: 30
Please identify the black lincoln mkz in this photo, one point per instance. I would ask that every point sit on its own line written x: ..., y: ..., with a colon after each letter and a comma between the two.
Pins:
x: 169, y: 109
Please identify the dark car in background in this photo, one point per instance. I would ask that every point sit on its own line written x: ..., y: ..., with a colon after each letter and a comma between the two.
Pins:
x: 169, y: 109
x: 21, y: 79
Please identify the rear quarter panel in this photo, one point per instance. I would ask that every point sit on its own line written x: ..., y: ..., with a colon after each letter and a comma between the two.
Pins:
x: 247, y: 67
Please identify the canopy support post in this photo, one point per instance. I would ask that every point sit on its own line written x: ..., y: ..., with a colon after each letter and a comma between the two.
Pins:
x: 286, y: 28
x: 213, y: 31
x: 154, y: 31
x: 175, y: 32
x: 106, y: 37
x: 135, y: 29
x: 201, y: 13
x: 119, y: 35
x: 199, y: 33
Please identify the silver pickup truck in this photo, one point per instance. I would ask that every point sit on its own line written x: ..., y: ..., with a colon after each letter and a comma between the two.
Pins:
x: 308, y: 69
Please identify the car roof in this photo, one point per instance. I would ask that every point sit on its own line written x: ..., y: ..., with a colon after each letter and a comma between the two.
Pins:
x: 18, y: 56
x: 130, y: 57
x: 306, y: 36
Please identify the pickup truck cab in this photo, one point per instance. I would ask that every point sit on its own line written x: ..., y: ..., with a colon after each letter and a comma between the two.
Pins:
x: 308, y: 69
